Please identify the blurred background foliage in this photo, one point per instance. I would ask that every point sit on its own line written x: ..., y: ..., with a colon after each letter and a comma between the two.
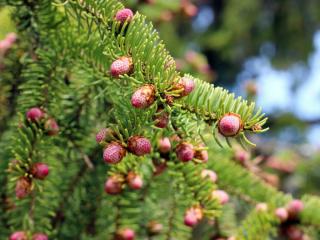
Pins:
x: 259, y: 49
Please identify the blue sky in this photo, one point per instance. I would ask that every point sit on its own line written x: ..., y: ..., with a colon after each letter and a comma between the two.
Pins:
x: 275, y: 86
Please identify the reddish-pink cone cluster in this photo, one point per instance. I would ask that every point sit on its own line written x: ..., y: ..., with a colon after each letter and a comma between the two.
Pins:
x: 52, y: 127
x: 164, y: 145
x: 230, y: 125
x: 221, y: 196
x: 7, y: 43
x: 23, y: 187
x: 134, y: 181
x: 114, y: 153
x: 115, y: 183
x: 188, y: 86
x: 206, y: 173
x: 139, y: 145
x: 114, y: 150
x: 21, y: 235
x: 291, y: 211
x: 185, y: 152
x: 125, y: 234
x: 144, y: 96
x: 37, y: 115
x: 40, y: 170
x: 193, y: 216
x: 282, y: 214
x: 161, y: 118
x: 34, y: 114
x: 40, y: 236
x: 121, y: 66
x: 124, y: 15
x: 201, y: 154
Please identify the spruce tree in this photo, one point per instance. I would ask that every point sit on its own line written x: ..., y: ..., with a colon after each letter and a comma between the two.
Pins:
x: 104, y: 139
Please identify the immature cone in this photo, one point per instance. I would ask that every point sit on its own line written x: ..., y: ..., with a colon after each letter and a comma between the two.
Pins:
x: 162, y: 119
x: 52, y: 127
x: 202, y: 154
x: 187, y: 84
x: 40, y: 170
x: 262, y: 207
x: 206, y: 173
x: 241, y: 156
x: 20, y: 235
x: 113, y: 185
x: 295, y: 207
x: 294, y: 233
x: 139, y: 145
x: 282, y: 214
x: 11, y: 37
x: 23, y: 187
x: 193, y: 216
x: 34, y: 114
x: 154, y: 228
x: 164, y: 145
x: 40, y: 236
x: 125, y: 234
x: 121, y: 66
x: 230, y: 125
x: 143, y: 97
x: 221, y: 196
x: 134, y: 181
x: 114, y: 152
x: 105, y: 134
x: 124, y: 15
x: 185, y: 152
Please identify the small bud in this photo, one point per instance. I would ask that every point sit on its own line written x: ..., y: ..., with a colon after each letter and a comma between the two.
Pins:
x: 139, y: 145
x: 114, y: 153
x: 154, y: 228
x: 11, y: 37
x: 221, y: 196
x: 113, y: 185
x: 206, y: 173
x: 185, y: 152
x: 193, y: 216
x: 187, y: 84
x: 125, y: 234
x: 164, y: 145
x: 18, y: 236
x: 295, y: 207
x: 134, y: 181
x: 124, y: 15
x: 105, y: 134
x: 143, y: 97
x: 160, y: 167
x: 23, y: 187
x: 121, y: 66
x: 262, y: 207
x: 34, y: 114
x: 282, y: 214
x: 40, y: 236
x: 189, y: 9
x: 294, y: 233
x: 40, y: 170
x: 230, y: 125
x: 241, y: 156
x: 202, y: 154
x: 52, y: 127
x: 161, y: 119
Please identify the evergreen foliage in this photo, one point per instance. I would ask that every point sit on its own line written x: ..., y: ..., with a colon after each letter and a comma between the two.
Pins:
x: 61, y: 65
